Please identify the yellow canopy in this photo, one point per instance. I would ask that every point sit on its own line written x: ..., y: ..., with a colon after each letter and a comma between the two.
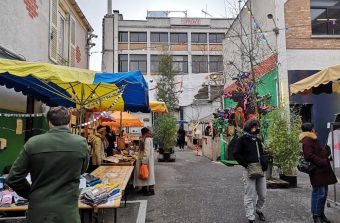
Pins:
x: 330, y: 76
x: 127, y: 120
x: 78, y: 83
x: 158, y: 106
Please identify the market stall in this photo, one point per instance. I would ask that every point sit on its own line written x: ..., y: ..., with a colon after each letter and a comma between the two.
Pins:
x: 116, y: 177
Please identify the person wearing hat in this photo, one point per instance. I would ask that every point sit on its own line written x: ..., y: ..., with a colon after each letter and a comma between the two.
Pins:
x: 145, y: 155
x: 98, y: 144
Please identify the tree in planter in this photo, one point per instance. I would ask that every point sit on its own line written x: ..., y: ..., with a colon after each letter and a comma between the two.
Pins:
x: 165, y: 124
x: 283, y: 140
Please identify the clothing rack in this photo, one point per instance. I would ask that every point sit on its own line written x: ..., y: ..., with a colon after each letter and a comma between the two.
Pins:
x: 332, y: 125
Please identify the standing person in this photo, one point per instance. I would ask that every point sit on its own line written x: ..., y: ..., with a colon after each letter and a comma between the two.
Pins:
x: 55, y: 161
x: 111, y: 138
x: 207, y: 131
x: 98, y: 144
x: 248, y: 150
x: 181, y: 137
x: 145, y: 155
x: 322, y: 176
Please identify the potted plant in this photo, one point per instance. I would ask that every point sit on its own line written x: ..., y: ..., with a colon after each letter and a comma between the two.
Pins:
x: 166, y: 137
x: 283, y: 142
x: 165, y: 124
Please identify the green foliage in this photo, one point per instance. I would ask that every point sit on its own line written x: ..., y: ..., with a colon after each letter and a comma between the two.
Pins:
x: 282, y: 139
x: 166, y: 89
x: 165, y: 131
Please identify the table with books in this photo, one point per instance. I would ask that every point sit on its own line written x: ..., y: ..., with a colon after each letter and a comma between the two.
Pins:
x: 104, y: 191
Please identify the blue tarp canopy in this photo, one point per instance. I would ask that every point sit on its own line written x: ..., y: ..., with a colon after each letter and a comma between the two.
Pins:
x: 73, y: 87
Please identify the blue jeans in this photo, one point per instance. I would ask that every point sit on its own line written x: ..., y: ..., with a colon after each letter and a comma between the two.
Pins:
x: 319, y: 197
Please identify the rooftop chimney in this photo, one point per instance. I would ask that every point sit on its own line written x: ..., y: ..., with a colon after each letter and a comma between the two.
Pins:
x: 109, y: 7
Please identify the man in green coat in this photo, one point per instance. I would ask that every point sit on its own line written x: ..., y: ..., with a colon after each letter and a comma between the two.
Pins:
x: 55, y: 161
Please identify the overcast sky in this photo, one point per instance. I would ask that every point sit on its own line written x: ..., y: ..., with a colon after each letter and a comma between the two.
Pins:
x: 95, y: 10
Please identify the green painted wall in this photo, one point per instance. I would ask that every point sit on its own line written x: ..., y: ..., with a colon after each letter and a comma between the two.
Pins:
x: 15, y: 142
x: 267, y: 85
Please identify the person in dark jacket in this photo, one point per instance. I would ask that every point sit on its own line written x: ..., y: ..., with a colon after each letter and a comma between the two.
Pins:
x: 111, y: 138
x: 181, y: 137
x: 322, y: 176
x: 55, y: 161
x: 245, y: 153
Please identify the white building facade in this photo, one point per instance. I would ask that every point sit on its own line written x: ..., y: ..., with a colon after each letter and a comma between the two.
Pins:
x: 194, y: 43
x: 51, y: 31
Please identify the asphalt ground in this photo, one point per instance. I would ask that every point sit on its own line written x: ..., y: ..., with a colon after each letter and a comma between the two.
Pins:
x: 194, y: 189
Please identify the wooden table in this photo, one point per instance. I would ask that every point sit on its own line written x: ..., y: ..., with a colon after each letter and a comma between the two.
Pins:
x: 114, y: 161
x: 108, y: 174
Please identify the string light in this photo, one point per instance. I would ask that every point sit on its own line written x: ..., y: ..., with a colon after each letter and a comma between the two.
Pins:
x: 16, y: 115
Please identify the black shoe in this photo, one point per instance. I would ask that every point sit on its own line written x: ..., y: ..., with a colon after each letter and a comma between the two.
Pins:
x: 251, y: 221
x: 142, y: 191
x: 317, y: 219
x: 325, y: 219
x: 261, y: 216
x: 149, y: 193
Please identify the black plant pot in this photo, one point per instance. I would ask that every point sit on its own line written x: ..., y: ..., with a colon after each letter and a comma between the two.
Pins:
x: 167, y: 156
x: 292, y: 180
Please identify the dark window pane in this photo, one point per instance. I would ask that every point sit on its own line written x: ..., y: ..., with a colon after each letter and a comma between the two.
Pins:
x: 199, y: 37
x: 154, y: 37
x: 155, y: 63
x: 123, y: 37
x: 324, y: 3
x: 163, y: 37
x: 325, y: 16
x: 194, y: 37
x: 174, y: 37
x: 319, y: 21
x: 333, y: 21
x: 180, y: 64
x: 137, y: 37
x: 183, y: 38
x: 142, y: 37
x: 220, y: 37
x: 216, y: 37
x: 133, y: 37
x: 216, y: 63
x: 138, y: 62
x: 199, y: 64
x: 123, y: 63
x: 159, y: 37
x: 134, y: 65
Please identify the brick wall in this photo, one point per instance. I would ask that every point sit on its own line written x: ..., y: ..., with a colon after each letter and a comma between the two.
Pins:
x: 299, y: 34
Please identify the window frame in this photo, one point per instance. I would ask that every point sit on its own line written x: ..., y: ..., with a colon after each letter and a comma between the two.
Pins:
x: 139, y: 62
x: 328, y: 20
x: 216, y: 38
x: 201, y: 68
x: 139, y: 39
x: 159, y: 37
x: 120, y: 37
x: 120, y: 61
x: 199, y: 40
x: 219, y: 63
x: 184, y: 64
x: 178, y: 37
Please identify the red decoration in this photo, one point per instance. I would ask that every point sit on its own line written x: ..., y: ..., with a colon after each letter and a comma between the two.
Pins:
x: 78, y: 54
x: 32, y: 8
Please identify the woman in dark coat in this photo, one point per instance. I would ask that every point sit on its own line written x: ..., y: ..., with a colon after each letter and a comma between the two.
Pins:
x: 248, y: 150
x: 322, y: 176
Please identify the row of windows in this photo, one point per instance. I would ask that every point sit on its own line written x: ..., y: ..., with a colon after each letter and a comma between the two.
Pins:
x: 325, y: 17
x: 180, y: 63
x: 162, y: 37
